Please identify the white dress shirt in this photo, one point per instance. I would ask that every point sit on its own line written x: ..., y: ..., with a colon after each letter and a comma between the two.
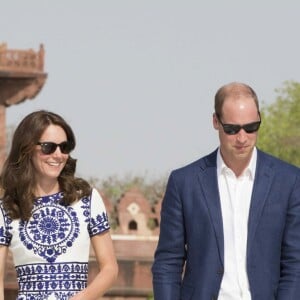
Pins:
x: 235, y: 196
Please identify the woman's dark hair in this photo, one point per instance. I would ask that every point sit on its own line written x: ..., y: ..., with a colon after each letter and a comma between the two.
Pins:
x: 18, y: 175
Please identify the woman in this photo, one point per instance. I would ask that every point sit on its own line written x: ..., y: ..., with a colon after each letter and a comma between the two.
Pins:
x: 48, y: 217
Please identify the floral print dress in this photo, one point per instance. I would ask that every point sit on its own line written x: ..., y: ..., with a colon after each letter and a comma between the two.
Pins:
x: 51, y: 250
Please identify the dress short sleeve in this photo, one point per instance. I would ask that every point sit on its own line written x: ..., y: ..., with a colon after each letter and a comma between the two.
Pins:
x: 5, y: 236
x: 98, y: 222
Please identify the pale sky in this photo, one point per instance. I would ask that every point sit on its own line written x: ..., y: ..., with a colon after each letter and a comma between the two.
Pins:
x: 136, y: 79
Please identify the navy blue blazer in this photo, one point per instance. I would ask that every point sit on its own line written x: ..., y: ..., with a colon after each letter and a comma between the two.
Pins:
x: 189, y: 259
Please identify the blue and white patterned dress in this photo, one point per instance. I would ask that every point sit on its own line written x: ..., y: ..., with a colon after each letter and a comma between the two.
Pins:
x: 51, y: 250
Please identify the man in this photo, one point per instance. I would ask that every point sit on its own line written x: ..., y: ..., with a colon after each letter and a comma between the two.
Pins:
x: 230, y: 222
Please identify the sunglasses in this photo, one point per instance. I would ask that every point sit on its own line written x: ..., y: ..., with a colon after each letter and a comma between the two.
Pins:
x: 50, y: 147
x: 232, y: 129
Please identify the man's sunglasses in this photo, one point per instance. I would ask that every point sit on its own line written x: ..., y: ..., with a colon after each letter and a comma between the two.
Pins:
x: 232, y: 129
x: 50, y: 147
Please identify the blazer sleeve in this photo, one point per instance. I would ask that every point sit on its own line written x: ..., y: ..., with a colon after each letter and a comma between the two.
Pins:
x: 170, y: 253
x: 289, y: 284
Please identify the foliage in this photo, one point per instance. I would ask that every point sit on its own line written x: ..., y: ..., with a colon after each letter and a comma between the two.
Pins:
x: 280, y: 129
x: 114, y: 187
x: 150, y: 297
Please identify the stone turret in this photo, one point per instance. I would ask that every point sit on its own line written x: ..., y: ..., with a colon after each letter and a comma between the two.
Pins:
x: 21, y: 77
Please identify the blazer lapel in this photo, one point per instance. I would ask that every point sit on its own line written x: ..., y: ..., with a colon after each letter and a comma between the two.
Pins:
x: 210, y: 189
x: 261, y: 188
x: 209, y: 186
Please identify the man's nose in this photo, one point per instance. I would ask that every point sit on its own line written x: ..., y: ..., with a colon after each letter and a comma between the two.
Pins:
x: 242, y: 136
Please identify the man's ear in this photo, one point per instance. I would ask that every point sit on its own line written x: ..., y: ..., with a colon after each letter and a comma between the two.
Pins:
x: 215, y: 121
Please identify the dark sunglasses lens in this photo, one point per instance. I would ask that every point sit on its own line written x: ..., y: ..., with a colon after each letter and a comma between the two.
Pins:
x: 65, y: 147
x: 48, y: 148
x: 231, y: 129
x: 253, y: 127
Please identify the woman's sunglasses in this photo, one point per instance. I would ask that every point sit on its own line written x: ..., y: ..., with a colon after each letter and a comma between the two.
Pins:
x: 50, y: 147
x: 232, y: 129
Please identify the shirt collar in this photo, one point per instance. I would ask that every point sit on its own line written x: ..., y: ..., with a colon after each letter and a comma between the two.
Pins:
x: 249, y: 170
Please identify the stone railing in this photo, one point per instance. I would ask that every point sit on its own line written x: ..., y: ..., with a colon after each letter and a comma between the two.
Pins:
x: 21, y: 60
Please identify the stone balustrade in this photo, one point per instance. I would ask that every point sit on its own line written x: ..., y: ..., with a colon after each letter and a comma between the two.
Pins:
x: 21, y: 60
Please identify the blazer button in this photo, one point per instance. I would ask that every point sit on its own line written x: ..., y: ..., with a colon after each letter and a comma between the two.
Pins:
x: 220, y: 271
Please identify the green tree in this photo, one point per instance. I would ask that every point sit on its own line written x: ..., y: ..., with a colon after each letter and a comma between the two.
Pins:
x: 115, y: 186
x: 150, y: 297
x: 280, y: 129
